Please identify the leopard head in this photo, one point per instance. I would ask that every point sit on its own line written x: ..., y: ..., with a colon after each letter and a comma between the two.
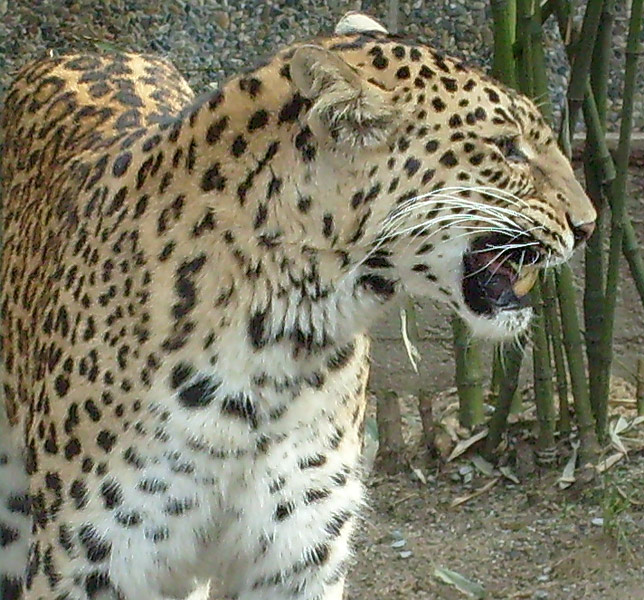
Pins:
x: 455, y: 185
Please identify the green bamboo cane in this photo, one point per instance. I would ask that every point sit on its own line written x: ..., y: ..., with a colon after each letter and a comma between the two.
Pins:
x: 547, y: 8
x: 639, y: 392
x: 536, y: 85
x: 553, y: 328
x: 601, y: 156
x: 574, y: 353
x: 565, y: 288
x: 503, y: 15
x: 524, y: 45
x: 633, y: 257
x: 469, y: 379
x: 497, y: 372
x: 511, y: 357
x: 602, y: 163
x: 594, y: 279
x: 543, y: 393
x: 594, y: 282
x: 540, y: 77
x: 582, y: 61
x: 618, y: 207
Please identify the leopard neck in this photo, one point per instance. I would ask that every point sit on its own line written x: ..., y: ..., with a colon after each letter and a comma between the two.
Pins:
x: 271, y: 214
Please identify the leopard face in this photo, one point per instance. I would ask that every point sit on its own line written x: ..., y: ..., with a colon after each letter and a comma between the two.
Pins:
x: 463, y: 193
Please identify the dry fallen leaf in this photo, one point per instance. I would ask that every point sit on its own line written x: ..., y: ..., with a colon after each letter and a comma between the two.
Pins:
x: 461, y: 583
x: 475, y: 494
x: 568, y: 476
x: 463, y: 445
x: 483, y: 466
x: 609, y: 462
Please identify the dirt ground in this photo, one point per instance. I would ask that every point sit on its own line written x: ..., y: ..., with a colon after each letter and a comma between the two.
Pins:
x: 523, y: 536
x: 516, y: 540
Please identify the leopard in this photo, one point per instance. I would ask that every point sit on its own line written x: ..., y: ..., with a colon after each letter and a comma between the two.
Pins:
x: 188, y: 285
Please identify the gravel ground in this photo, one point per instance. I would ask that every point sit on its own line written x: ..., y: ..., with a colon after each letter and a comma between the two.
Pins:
x: 209, y: 40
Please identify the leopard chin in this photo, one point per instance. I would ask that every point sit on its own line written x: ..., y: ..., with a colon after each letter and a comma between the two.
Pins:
x: 506, y: 324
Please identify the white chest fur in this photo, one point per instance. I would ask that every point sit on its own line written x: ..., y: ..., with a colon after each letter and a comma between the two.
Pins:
x: 239, y: 497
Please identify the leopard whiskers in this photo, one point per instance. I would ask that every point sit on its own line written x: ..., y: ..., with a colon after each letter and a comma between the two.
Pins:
x: 472, y: 217
x: 419, y: 204
x: 445, y: 222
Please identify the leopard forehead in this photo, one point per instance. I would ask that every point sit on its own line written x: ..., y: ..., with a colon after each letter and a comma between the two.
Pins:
x: 439, y: 120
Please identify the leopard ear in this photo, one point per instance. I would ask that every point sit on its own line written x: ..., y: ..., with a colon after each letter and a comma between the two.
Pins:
x: 346, y: 109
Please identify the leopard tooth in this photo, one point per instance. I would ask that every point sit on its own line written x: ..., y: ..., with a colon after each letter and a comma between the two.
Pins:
x: 527, y: 278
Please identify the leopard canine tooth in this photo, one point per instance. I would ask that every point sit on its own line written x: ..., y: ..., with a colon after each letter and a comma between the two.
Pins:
x: 527, y: 279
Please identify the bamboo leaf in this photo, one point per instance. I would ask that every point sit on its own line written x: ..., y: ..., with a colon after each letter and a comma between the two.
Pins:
x: 462, y: 446
x: 475, y: 494
x: 509, y: 474
x: 610, y: 462
x: 412, y: 352
x: 461, y: 583
x: 483, y: 466
x: 568, y: 476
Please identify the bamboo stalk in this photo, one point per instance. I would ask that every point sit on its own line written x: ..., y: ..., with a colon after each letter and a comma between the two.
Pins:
x: 512, y: 354
x: 525, y: 62
x: 633, y: 257
x: 600, y: 159
x: 425, y: 407
x: 602, y: 163
x: 582, y: 61
x: 391, y: 445
x: 574, y: 353
x: 497, y: 372
x: 507, y: 368
x: 639, y: 394
x: 536, y: 85
x: 426, y: 411
x: 618, y: 208
x: 553, y: 328
x: 547, y: 9
x: 503, y: 15
x: 469, y: 378
x: 594, y: 280
x: 540, y: 77
x: 543, y: 393
x: 603, y: 158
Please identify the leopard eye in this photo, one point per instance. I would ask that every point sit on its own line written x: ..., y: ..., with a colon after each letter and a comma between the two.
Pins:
x: 510, y: 149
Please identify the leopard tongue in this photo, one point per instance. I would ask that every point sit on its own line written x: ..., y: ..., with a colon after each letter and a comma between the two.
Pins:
x: 527, y: 279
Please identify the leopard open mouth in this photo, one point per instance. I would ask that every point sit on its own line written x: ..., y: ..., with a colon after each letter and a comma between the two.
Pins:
x: 498, y: 273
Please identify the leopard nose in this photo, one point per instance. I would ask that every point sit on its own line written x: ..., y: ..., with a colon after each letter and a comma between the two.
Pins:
x: 582, y: 232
